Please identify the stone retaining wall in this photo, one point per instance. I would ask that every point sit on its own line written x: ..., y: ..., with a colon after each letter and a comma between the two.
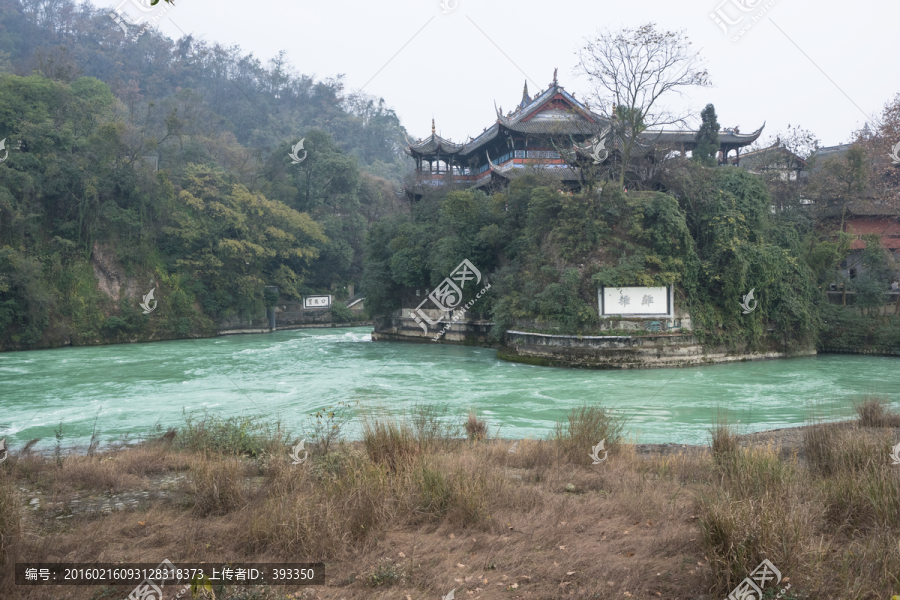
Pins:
x: 405, y: 329
x: 654, y: 350
x: 868, y: 351
x: 623, y: 352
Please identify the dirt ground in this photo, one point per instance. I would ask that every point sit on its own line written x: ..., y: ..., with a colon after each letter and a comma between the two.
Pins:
x: 622, y: 529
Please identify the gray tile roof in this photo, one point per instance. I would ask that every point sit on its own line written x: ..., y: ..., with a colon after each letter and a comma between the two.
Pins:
x: 775, y: 156
x: 827, y: 152
x: 687, y: 137
x: 578, y: 121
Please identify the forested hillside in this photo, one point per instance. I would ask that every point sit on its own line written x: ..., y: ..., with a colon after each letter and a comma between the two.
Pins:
x: 85, y: 114
x: 545, y: 252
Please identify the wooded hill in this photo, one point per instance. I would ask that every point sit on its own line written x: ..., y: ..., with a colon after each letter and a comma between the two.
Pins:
x: 85, y: 113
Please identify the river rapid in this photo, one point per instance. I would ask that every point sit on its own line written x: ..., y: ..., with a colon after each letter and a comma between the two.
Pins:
x: 129, y: 389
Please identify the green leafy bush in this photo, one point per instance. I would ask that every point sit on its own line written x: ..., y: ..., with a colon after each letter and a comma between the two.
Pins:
x: 341, y: 314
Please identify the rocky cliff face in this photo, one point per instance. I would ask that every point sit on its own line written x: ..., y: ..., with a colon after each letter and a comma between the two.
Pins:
x: 110, y: 274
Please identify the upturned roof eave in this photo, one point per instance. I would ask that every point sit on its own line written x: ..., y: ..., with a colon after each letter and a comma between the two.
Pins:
x: 682, y: 136
x: 433, y: 144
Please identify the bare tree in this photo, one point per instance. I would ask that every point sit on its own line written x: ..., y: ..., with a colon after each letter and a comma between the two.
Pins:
x: 795, y: 138
x: 633, y: 68
x: 842, y: 181
x: 883, y: 148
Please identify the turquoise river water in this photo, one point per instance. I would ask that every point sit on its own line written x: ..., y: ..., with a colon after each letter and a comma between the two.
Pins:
x: 129, y: 388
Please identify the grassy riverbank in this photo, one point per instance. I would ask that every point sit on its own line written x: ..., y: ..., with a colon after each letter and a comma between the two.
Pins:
x: 412, y: 511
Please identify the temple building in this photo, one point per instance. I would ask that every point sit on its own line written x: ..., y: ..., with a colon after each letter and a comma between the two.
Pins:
x: 533, y: 134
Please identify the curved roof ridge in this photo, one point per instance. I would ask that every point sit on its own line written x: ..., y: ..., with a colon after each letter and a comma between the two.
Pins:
x: 688, y: 135
x: 497, y: 168
x: 433, y: 143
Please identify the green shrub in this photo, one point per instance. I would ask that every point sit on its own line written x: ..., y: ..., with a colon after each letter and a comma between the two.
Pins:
x: 113, y: 325
x: 243, y: 435
x: 341, y: 314
x: 385, y: 573
x: 326, y: 426
x: 844, y: 328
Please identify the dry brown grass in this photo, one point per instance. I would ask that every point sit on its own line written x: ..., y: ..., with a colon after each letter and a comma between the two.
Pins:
x: 723, y: 439
x: 756, y: 511
x: 475, y: 428
x: 874, y: 411
x: 389, y: 442
x: 217, y: 487
x: 86, y: 472
x: 585, y: 427
x: 404, y: 513
x: 834, y: 450
x: 11, y: 523
x: 298, y: 513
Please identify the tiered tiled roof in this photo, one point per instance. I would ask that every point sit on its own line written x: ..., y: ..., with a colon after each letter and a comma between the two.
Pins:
x: 556, y: 112
x: 544, y: 120
x: 532, y: 116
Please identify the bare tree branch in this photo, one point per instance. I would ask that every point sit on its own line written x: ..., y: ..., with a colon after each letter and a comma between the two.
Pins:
x: 634, y: 68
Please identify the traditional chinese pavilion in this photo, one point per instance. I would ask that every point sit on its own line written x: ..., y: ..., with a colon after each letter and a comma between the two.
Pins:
x: 526, y: 136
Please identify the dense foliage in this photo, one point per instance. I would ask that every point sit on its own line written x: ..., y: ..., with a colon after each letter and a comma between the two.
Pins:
x: 707, y: 138
x: 844, y: 330
x: 222, y: 94
x: 87, y: 114
x: 545, y: 252
x: 226, y: 213
x: 742, y: 245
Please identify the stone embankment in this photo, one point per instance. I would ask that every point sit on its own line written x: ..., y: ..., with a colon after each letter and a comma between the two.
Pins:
x: 624, y: 352
x: 302, y: 326
x: 643, y: 350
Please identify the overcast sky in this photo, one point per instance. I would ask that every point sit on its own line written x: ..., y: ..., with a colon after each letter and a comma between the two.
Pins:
x: 821, y: 64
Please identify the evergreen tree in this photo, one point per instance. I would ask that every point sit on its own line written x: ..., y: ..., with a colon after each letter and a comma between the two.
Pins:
x: 707, y: 138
